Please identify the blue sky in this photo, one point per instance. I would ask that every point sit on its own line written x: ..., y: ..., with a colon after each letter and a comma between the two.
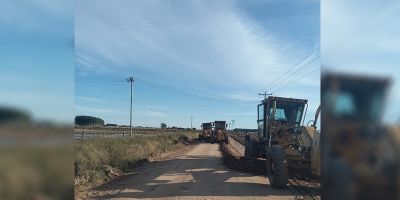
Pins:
x: 205, y: 59
x: 362, y: 36
x: 36, y: 53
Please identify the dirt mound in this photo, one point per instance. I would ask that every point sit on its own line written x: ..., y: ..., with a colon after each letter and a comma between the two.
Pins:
x: 238, y: 163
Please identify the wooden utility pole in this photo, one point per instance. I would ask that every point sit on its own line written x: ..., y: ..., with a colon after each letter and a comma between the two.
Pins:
x: 265, y: 94
x: 131, y: 80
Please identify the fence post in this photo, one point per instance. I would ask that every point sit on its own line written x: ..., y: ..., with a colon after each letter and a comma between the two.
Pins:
x: 83, y: 134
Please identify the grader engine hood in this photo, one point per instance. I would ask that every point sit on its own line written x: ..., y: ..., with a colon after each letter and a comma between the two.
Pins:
x: 307, y: 136
x: 304, y: 141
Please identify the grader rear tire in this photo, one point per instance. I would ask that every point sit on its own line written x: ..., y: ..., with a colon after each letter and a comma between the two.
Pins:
x: 277, y: 167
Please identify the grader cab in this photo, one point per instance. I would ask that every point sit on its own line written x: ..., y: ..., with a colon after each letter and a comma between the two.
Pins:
x: 282, y: 139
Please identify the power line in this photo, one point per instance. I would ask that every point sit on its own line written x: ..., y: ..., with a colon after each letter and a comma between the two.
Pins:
x: 293, y: 73
x: 224, y: 99
x: 298, y: 70
x: 297, y: 64
x: 179, y: 91
x: 191, y: 94
x: 273, y: 84
x: 287, y: 85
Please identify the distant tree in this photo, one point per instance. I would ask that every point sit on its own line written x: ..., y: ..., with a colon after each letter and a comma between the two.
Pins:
x: 13, y: 115
x: 83, y: 120
x: 163, y: 125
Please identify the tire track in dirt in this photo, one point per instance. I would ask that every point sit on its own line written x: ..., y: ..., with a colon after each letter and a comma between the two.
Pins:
x: 199, y: 173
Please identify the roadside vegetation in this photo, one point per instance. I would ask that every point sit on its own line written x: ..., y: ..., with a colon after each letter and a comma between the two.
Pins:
x: 36, y: 161
x: 28, y: 172
x: 98, y: 160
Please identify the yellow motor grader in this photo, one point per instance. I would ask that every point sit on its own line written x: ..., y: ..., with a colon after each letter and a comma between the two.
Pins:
x: 219, y: 133
x: 206, y: 132
x: 283, y: 141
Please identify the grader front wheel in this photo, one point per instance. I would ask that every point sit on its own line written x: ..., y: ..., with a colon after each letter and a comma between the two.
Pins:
x: 277, y: 168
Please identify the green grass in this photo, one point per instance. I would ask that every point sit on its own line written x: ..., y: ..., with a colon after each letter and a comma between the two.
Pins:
x: 91, y: 155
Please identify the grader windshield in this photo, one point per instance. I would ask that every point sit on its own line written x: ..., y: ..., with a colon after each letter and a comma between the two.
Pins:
x: 220, y: 125
x: 352, y: 98
x: 206, y: 126
x: 287, y: 112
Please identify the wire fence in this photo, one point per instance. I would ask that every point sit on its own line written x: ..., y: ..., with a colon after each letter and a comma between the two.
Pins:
x: 93, y: 132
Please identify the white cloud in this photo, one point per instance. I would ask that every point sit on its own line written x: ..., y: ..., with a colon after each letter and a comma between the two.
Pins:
x: 150, y: 114
x: 82, y: 110
x: 242, y: 97
x: 217, y: 43
x: 213, y: 49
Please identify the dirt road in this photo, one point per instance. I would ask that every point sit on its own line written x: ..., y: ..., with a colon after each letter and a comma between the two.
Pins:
x: 198, y: 174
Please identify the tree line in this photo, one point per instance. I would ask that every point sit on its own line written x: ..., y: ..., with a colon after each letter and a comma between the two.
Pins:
x: 84, y: 120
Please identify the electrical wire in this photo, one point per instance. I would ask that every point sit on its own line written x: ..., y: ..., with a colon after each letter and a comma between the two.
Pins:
x: 273, y: 83
x: 287, y: 85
